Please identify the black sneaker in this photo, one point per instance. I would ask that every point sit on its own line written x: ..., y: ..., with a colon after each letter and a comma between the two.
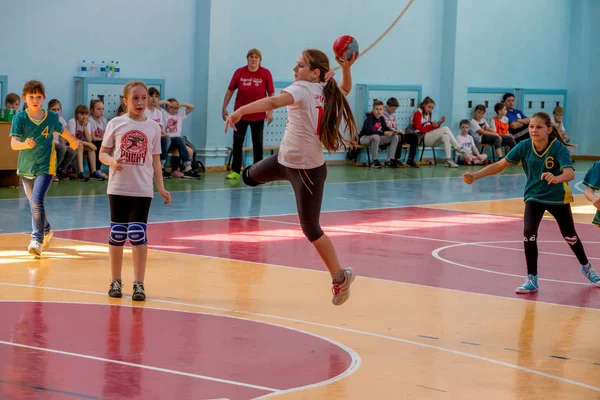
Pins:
x: 82, y: 177
x: 391, y: 163
x: 138, y: 292
x: 115, y: 289
x: 191, y: 174
x: 399, y: 163
x: 412, y: 164
x: 62, y: 175
x: 166, y: 175
x: 376, y: 164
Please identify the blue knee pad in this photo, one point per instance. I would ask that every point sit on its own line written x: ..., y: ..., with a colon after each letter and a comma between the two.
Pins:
x: 118, y: 234
x: 137, y: 233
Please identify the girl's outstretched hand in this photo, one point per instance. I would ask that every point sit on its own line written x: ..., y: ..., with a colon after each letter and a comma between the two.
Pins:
x: 469, y: 178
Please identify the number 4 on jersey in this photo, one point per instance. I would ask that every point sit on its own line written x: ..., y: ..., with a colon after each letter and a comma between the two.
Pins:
x: 45, y: 132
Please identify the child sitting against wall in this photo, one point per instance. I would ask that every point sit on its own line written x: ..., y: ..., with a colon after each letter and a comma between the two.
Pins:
x: 470, y: 155
x: 375, y: 132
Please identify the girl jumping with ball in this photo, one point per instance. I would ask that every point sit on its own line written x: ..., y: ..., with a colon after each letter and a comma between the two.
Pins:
x: 547, y: 164
x: 316, y: 106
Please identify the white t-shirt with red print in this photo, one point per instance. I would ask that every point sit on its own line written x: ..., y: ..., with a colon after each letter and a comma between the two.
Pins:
x: 174, y: 123
x: 135, y: 142
x: 301, y: 146
x: 157, y: 115
x: 76, y: 129
x: 97, y: 128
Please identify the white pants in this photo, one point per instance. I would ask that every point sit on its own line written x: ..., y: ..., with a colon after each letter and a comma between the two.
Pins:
x: 374, y: 141
x: 442, y: 135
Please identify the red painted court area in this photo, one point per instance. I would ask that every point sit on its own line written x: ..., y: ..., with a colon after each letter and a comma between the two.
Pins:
x: 395, y: 244
x: 65, y: 351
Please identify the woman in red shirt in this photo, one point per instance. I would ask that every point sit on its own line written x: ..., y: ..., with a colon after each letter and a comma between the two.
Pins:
x: 252, y: 82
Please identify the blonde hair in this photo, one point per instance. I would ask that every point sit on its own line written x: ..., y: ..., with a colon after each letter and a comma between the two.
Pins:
x: 558, y: 110
x: 336, y: 106
x: 130, y: 85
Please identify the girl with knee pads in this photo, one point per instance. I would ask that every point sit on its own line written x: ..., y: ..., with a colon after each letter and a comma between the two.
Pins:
x: 316, y: 106
x: 131, y: 148
x: 547, y: 164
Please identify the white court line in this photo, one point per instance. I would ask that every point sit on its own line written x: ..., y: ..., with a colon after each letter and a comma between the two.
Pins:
x: 350, y: 330
x: 436, y: 253
x: 354, y: 357
x: 579, y: 186
x: 148, y: 367
x: 301, y: 269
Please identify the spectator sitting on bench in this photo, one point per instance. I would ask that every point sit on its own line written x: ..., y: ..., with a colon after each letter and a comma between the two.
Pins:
x: 557, y: 119
x: 412, y: 139
x: 518, y: 123
x: 482, y: 132
x: 470, y: 155
x: 375, y: 133
x: 499, y: 124
x: 433, y: 132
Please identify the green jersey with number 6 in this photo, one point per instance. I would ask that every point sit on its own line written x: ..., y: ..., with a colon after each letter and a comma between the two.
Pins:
x: 554, y: 158
x: 41, y: 159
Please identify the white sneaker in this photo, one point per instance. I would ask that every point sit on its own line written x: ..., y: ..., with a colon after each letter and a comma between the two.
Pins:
x: 341, y: 291
x: 47, y: 238
x: 451, y: 164
x: 35, y: 248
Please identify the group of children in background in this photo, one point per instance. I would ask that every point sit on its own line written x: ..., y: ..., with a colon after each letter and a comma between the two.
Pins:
x: 380, y: 128
x: 89, y: 124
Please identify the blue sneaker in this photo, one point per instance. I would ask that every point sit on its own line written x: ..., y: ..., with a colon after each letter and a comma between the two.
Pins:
x: 530, y: 285
x: 589, y: 273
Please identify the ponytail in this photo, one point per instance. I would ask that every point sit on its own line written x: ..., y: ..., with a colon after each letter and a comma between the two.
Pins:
x: 336, y: 110
x: 554, y: 133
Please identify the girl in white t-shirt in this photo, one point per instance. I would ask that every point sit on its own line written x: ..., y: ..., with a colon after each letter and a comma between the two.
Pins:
x: 131, y: 148
x: 97, y: 125
x: 155, y: 113
x: 80, y: 127
x: 316, y: 106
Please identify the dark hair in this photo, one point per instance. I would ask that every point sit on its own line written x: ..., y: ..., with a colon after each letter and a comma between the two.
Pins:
x: 426, y: 100
x: 34, y: 87
x: 122, y: 109
x: 94, y: 102
x: 463, y: 122
x: 81, y: 109
x: 498, y: 107
x: 152, y: 91
x: 480, y: 107
x: 506, y: 96
x: 54, y: 102
x: 377, y: 103
x: 336, y: 106
x: 12, y: 98
x: 554, y: 134
x: 392, y: 102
